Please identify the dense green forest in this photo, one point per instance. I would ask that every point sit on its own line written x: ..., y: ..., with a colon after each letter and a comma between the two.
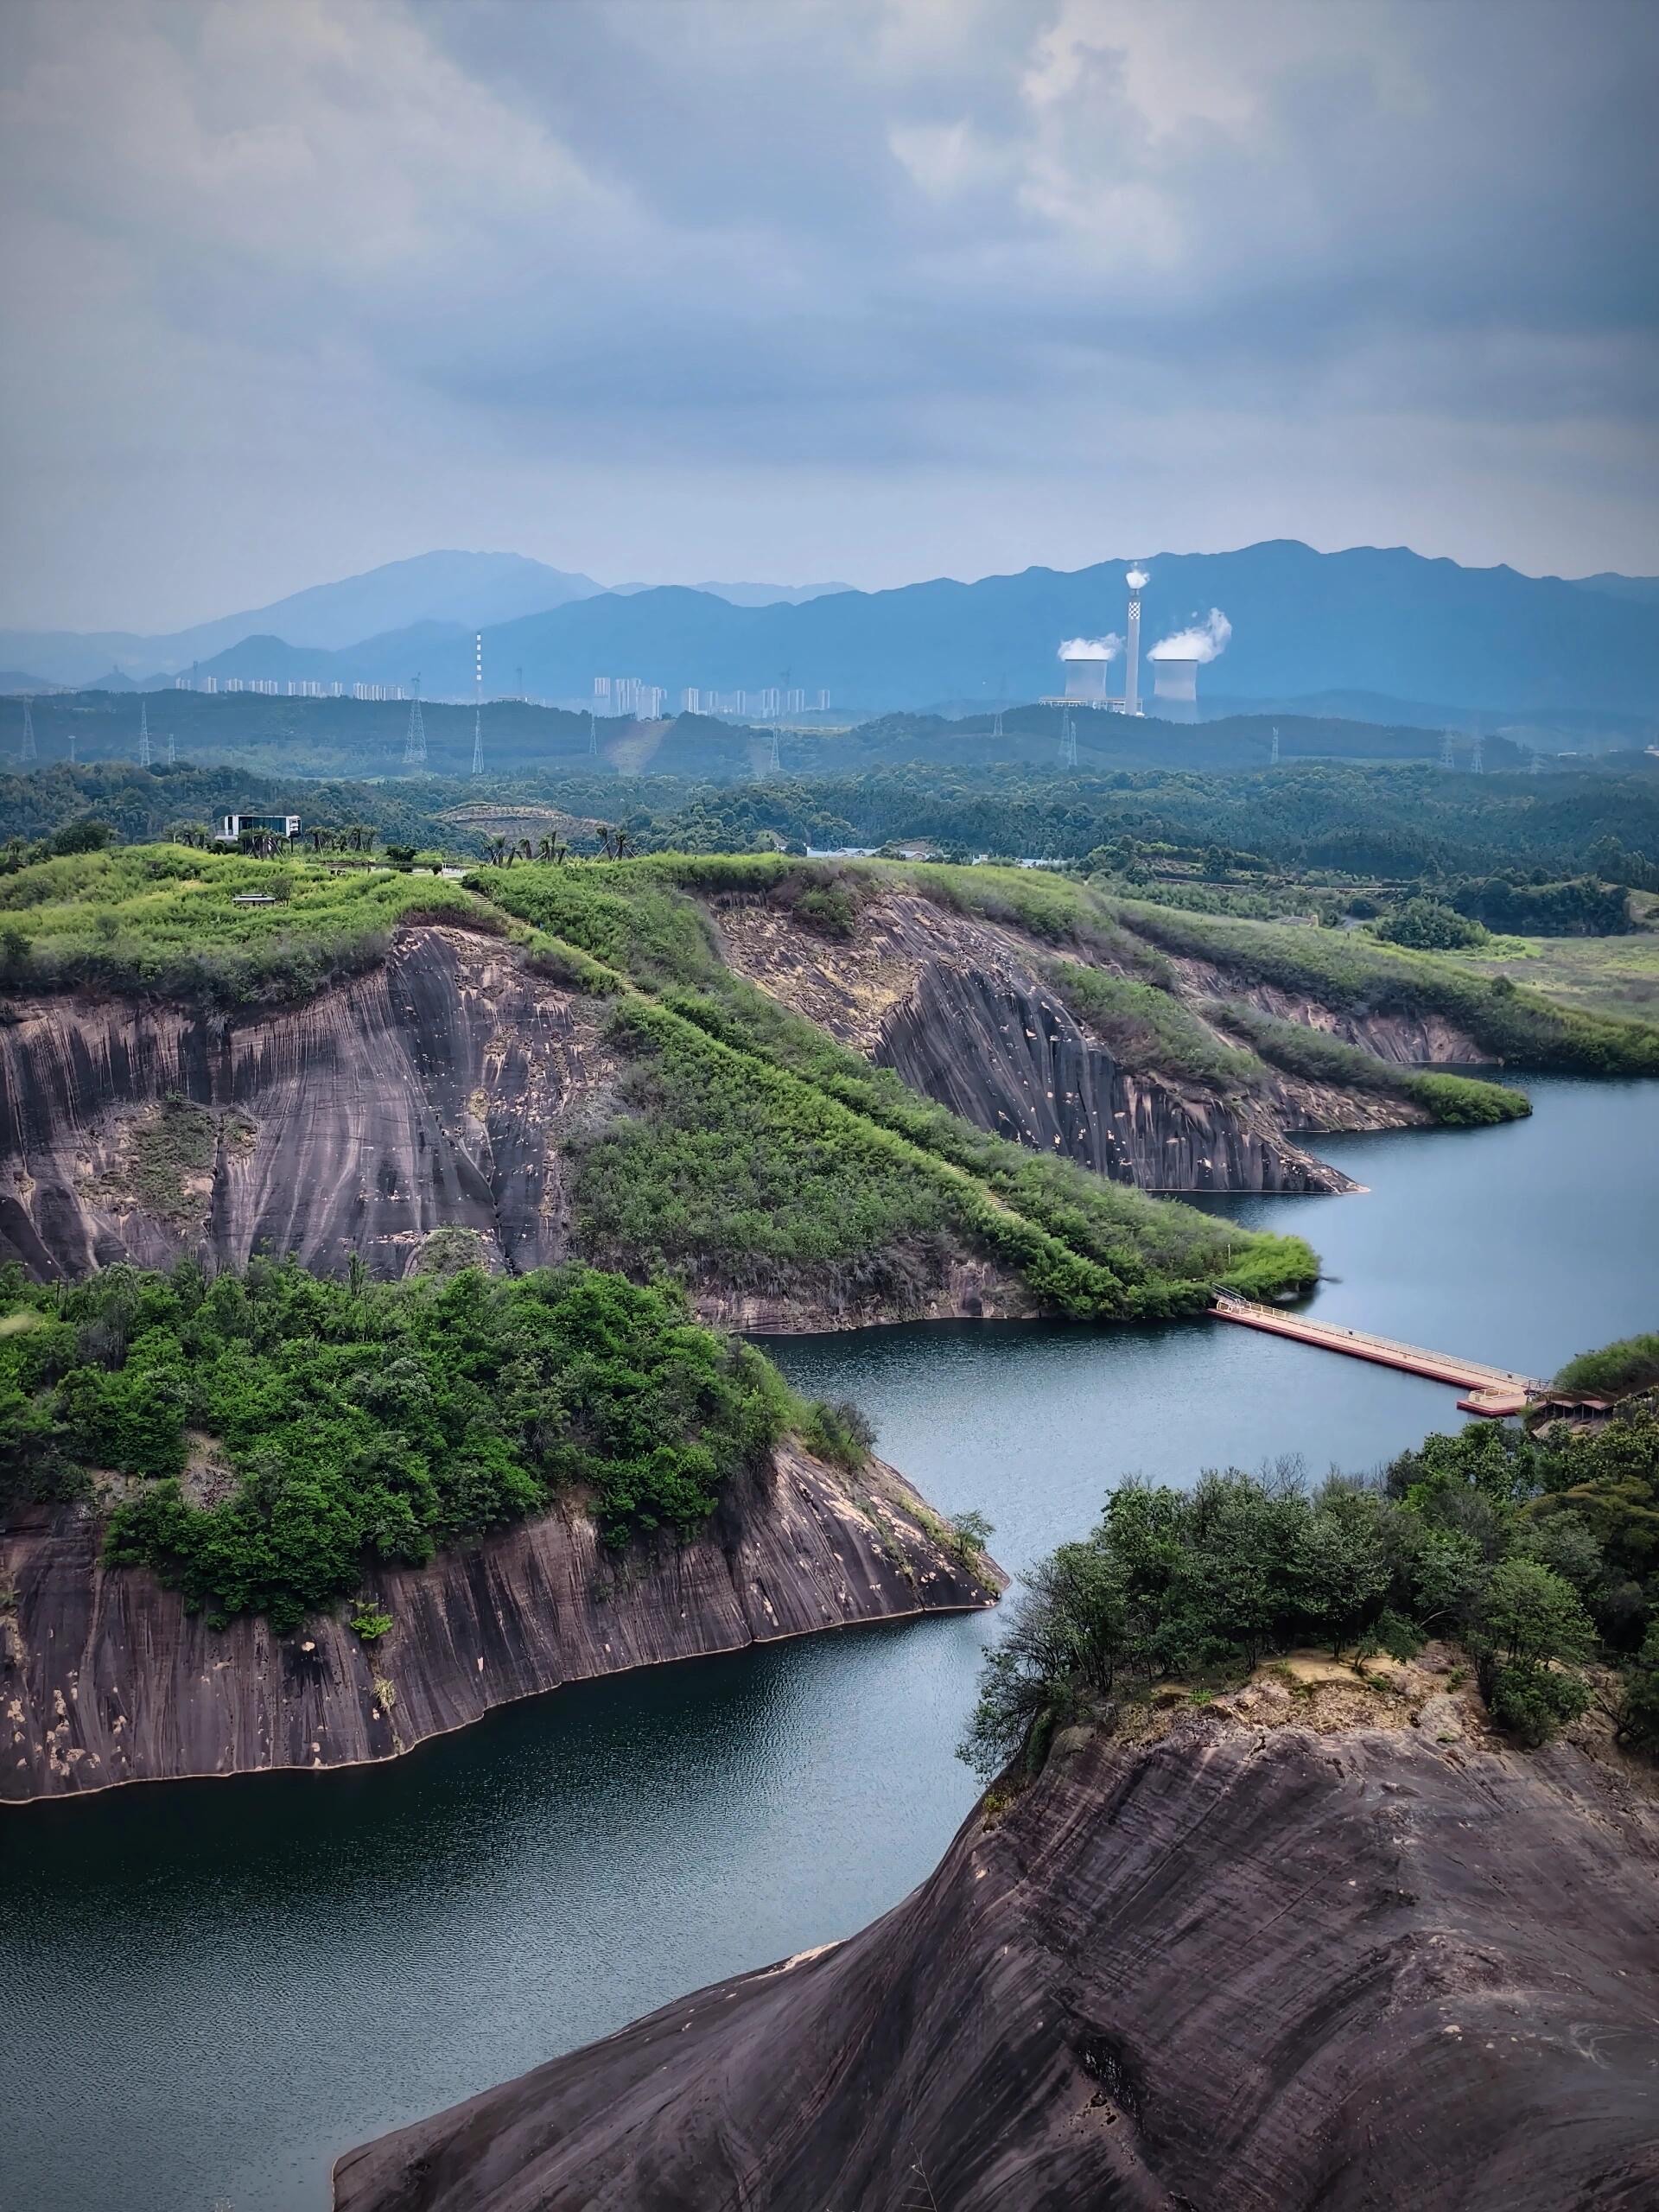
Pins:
x: 1537, y: 1553
x: 261, y: 1437
x: 1405, y: 823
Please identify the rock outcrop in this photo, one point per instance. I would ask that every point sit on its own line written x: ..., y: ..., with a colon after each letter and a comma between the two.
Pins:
x: 105, y: 1679
x: 425, y: 1094
x: 1248, y: 1966
x: 958, y: 1008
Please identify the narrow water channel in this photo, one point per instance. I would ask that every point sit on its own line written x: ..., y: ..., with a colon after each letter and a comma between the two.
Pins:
x: 212, y: 1988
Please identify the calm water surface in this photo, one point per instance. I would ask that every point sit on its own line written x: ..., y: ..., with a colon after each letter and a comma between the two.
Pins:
x: 211, y: 1989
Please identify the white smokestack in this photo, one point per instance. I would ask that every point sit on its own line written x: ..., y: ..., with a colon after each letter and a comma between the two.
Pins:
x: 1137, y: 580
x: 1202, y: 642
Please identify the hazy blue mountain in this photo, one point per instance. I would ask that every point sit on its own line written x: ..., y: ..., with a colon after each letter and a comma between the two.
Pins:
x: 1384, y: 625
x: 748, y: 594
x: 1645, y: 589
x: 471, y: 590
x: 1388, y: 622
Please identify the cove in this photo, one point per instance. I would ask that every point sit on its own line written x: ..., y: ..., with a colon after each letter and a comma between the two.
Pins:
x: 214, y: 1988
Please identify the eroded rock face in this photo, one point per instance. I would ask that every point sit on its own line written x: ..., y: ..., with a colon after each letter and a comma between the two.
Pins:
x: 1249, y: 1968
x: 105, y: 1679
x: 957, y: 1007
x: 423, y: 1094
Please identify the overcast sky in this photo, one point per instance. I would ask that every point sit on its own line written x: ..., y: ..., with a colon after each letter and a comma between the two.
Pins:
x: 797, y: 289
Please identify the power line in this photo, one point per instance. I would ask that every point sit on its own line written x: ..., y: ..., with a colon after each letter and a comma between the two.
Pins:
x: 415, y: 743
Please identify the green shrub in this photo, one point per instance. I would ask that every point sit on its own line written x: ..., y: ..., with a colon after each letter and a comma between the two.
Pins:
x: 369, y: 1624
x: 370, y: 1421
x: 1428, y: 926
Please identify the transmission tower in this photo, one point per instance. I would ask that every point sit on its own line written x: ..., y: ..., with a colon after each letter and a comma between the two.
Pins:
x: 996, y: 726
x: 1477, y: 761
x: 28, y: 753
x: 593, y: 736
x: 72, y: 748
x: 478, y: 703
x: 144, y: 737
x: 775, y: 765
x: 172, y: 750
x: 415, y: 743
x: 1446, y: 760
x: 1068, y: 740
x: 1534, y: 767
x: 1272, y: 757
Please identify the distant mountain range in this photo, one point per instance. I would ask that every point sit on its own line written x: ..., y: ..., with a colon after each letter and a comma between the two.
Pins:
x: 1387, y: 624
x: 466, y: 591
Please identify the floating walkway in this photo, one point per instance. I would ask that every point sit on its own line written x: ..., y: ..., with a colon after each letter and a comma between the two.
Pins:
x: 1494, y: 1391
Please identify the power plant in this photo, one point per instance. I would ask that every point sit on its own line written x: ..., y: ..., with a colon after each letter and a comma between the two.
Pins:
x: 1175, y: 663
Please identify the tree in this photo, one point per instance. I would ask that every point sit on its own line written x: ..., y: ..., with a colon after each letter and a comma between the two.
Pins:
x: 1430, y: 925
x: 1340, y: 1571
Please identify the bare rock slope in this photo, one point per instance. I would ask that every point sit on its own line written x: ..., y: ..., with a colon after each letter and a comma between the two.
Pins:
x: 958, y: 1007
x: 425, y: 1094
x: 105, y: 1678
x: 1248, y: 1967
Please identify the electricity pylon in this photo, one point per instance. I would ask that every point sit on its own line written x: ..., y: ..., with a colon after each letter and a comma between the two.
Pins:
x: 1272, y: 757
x: 478, y: 703
x: 415, y: 743
x: 1068, y: 740
x: 1446, y: 760
x: 1477, y: 759
x: 144, y: 737
x: 28, y: 753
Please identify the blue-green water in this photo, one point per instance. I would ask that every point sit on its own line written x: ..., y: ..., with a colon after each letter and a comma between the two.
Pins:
x: 211, y: 1989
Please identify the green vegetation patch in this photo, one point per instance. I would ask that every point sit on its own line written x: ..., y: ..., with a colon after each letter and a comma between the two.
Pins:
x: 1615, y: 1370
x: 163, y: 919
x: 1452, y: 1101
x: 1358, y: 976
x: 755, y: 1138
x: 1537, y: 1553
x: 371, y: 1422
x: 1149, y: 1031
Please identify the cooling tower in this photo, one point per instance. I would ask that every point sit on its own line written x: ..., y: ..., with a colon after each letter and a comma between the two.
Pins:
x: 1085, y: 679
x: 1175, y: 690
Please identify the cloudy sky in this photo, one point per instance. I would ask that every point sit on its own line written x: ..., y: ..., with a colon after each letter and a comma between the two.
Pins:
x: 797, y: 289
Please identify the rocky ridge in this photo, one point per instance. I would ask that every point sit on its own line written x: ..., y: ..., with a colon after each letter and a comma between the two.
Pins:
x: 105, y: 1678
x: 1318, y: 1945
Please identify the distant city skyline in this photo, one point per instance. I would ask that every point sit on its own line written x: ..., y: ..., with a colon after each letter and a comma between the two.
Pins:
x: 882, y: 291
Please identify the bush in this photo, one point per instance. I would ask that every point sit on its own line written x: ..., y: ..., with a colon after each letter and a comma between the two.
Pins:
x: 375, y: 1421
x: 1428, y: 926
x: 370, y: 1625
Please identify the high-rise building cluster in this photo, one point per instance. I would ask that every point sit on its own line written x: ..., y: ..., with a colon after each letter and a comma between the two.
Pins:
x: 769, y: 702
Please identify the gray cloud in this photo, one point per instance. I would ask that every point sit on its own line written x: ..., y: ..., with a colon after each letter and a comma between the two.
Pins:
x: 877, y: 287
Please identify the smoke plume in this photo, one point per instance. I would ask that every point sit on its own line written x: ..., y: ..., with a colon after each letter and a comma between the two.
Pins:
x: 1202, y: 642
x: 1107, y: 648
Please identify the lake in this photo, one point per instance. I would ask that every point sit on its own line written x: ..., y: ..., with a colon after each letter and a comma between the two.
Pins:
x: 214, y: 1988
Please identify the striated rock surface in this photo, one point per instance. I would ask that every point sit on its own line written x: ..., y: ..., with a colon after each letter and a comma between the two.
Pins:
x: 426, y: 1094
x: 958, y: 1008
x: 1250, y: 1966
x: 105, y: 1679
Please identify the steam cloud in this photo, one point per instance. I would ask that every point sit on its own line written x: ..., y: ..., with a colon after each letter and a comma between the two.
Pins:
x: 1107, y: 648
x: 1137, y: 580
x: 1202, y: 642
